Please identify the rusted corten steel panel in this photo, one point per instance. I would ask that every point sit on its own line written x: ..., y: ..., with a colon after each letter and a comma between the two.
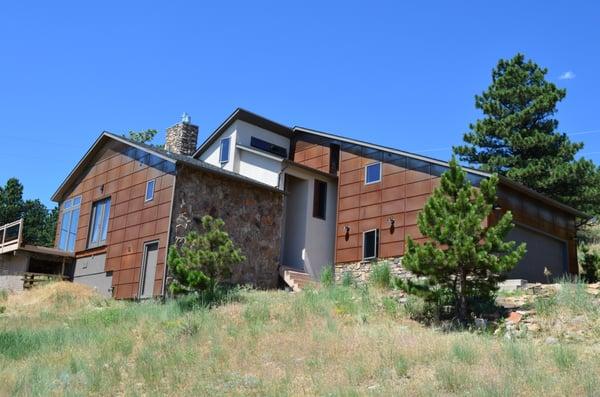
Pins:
x: 312, y: 155
x: 401, y: 194
x: 121, y: 173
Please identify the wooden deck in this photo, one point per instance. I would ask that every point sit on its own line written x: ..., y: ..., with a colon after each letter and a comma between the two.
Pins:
x: 11, y: 236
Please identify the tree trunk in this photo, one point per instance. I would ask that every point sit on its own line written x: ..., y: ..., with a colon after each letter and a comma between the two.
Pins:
x: 462, y: 297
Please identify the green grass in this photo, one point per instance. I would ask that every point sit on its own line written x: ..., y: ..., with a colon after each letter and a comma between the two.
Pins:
x: 329, y: 341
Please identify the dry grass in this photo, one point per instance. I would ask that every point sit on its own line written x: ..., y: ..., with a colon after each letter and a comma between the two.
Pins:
x: 339, y: 341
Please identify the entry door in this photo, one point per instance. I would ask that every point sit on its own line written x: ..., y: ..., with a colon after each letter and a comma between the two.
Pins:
x: 148, y: 271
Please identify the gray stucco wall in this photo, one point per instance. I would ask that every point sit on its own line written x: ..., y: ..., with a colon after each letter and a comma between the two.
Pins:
x: 90, y: 271
x: 12, y: 268
x: 253, y: 218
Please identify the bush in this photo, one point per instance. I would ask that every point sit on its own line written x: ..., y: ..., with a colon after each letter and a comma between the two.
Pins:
x: 590, y: 264
x: 381, y: 275
x: 204, y: 260
x: 327, y: 276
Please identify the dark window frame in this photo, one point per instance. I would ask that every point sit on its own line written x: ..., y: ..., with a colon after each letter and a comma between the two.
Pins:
x: 319, y: 199
x: 102, y: 225
x: 375, y: 248
x: 334, y: 158
x: 268, y: 147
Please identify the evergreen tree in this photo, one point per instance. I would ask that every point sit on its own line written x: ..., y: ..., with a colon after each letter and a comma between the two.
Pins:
x: 203, y: 260
x: 463, y: 259
x: 39, y: 225
x: 518, y: 137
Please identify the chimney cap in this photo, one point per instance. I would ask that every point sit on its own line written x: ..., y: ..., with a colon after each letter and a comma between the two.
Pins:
x: 186, y: 118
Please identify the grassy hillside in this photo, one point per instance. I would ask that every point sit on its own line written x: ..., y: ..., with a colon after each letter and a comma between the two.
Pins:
x: 62, y: 339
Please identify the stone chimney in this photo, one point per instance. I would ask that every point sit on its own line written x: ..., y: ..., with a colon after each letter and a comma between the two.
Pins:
x: 182, y: 137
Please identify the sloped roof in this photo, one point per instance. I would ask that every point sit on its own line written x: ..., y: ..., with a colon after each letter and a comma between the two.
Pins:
x: 249, y: 117
x: 174, y: 158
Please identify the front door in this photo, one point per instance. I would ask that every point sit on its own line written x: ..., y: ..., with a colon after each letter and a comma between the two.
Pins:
x: 148, y: 271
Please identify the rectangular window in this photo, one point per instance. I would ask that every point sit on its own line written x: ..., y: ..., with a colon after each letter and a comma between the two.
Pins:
x: 224, y: 155
x: 150, y: 190
x: 68, y: 224
x: 99, y: 223
x: 334, y: 158
x: 371, y: 244
x: 268, y: 147
x: 372, y: 173
x: 320, y: 199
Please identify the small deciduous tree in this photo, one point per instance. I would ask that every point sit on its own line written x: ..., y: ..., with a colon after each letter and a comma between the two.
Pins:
x: 464, y: 258
x: 204, y: 259
x: 146, y: 136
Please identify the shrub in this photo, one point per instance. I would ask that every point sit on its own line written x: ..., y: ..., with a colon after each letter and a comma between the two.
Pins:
x: 590, y: 264
x: 3, y: 295
x: 381, y: 275
x: 203, y: 260
x: 327, y: 276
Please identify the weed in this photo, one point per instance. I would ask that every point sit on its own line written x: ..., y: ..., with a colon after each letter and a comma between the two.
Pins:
x: 463, y: 352
x: 347, y: 279
x: 564, y: 357
x: 381, y: 275
x: 327, y: 277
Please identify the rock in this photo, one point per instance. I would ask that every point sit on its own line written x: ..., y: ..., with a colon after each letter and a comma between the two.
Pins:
x: 533, y: 327
x: 481, y: 323
x: 551, y: 340
x: 514, y: 317
x: 578, y: 320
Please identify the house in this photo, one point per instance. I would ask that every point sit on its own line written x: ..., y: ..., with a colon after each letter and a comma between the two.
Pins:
x: 294, y: 199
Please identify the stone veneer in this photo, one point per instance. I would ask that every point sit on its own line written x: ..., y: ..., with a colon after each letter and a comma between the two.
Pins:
x: 360, y: 270
x: 252, y: 215
x: 181, y: 139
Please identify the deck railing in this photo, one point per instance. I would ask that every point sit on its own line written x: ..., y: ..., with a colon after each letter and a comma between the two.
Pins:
x: 11, y: 236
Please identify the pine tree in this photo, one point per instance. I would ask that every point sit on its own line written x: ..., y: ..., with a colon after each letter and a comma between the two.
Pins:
x: 518, y: 137
x: 39, y: 224
x: 203, y: 260
x: 463, y: 259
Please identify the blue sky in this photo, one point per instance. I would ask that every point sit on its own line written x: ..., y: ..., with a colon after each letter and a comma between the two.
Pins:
x: 395, y: 73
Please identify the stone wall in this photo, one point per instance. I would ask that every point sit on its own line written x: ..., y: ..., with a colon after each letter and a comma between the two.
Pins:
x: 252, y: 216
x: 360, y: 270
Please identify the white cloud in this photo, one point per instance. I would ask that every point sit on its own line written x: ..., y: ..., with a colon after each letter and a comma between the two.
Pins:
x: 569, y: 75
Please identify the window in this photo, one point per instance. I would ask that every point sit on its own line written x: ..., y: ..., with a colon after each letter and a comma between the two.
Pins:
x: 334, y: 158
x: 99, y: 223
x: 372, y: 173
x: 268, y: 147
x: 68, y: 224
x: 224, y: 155
x: 150, y: 190
x: 319, y: 199
x: 371, y: 244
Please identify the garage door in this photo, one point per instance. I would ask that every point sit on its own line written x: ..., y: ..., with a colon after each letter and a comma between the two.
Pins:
x: 542, y: 251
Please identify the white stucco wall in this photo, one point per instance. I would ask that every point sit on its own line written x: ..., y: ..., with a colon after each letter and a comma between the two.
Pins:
x: 318, y: 236
x: 252, y: 165
x: 212, y: 154
x: 260, y: 168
